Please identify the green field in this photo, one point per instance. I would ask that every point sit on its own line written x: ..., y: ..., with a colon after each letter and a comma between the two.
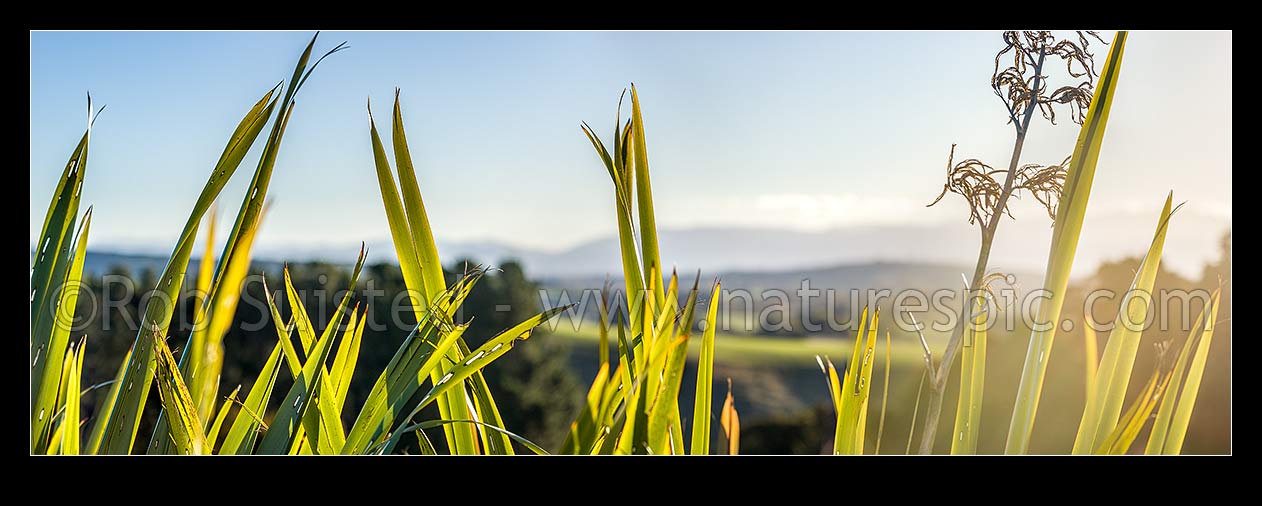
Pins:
x: 749, y: 349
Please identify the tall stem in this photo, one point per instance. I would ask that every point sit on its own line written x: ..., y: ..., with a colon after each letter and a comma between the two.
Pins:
x: 939, y: 380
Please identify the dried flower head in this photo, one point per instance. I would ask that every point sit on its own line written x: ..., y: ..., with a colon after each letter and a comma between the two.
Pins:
x: 1023, y: 82
x: 979, y: 184
x: 975, y: 181
x: 1046, y: 183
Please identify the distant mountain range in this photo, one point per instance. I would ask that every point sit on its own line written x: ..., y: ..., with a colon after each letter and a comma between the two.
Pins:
x: 1193, y: 241
x: 99, y: 263
x: 862, y: 276
x: 875, y: 275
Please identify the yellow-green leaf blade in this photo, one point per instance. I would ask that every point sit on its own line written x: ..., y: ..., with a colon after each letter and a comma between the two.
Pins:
x: 184, y: 429
x: 124, y: 421
x: 1069, y: 217
x: 1113, y: 377
x: 1191, y: 386
x: 705, y: 378
x: 45, y: 392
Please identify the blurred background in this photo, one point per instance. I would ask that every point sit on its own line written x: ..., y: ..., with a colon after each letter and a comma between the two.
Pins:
x: 777, y: 157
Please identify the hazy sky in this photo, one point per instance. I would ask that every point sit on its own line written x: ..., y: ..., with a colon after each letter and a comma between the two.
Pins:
x: 779, y: 129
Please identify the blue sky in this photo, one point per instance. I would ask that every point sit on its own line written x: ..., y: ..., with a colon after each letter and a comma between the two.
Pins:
x: 804, y: 130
